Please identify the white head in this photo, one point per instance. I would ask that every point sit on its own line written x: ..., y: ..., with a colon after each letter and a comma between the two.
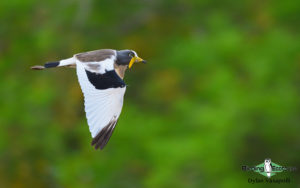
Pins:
x: 267, y: 161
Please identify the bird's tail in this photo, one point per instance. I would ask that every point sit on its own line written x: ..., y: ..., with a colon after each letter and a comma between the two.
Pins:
x: 66, y: 62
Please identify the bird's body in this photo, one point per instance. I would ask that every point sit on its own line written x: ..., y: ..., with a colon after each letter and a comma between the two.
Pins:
x: 268, y: 167
x: 100, y: 75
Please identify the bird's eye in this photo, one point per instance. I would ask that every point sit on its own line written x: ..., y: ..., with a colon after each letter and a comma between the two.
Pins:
x: 131, y: 54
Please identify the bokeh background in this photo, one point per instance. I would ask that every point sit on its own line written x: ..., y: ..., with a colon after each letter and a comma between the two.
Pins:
x: 221, y: 89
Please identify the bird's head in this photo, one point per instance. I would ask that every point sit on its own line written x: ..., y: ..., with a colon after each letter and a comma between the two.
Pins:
x: 267, y: 161
x: 128, y: 57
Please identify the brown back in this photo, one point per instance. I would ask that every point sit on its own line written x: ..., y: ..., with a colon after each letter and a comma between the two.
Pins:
x: 95, y: 56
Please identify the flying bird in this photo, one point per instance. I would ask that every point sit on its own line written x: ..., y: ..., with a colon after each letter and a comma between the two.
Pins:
x: 100, y: 75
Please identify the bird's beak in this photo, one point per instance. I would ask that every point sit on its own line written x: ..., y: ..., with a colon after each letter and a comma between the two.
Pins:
x: 135, y: 60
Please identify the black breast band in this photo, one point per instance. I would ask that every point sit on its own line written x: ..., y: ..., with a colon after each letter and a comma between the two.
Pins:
x: 109, y: 79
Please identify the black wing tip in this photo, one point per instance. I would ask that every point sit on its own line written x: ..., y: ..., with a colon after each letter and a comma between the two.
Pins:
x: 102, y: 138
x: 51, y: 64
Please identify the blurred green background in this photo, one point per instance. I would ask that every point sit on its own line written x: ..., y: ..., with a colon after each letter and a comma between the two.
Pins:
x: 221, y: 89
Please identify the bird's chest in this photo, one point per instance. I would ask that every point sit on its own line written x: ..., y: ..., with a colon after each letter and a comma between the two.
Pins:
x: 120, y: 70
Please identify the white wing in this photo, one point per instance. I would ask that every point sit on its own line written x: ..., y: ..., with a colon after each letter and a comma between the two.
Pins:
x: 102, y: 107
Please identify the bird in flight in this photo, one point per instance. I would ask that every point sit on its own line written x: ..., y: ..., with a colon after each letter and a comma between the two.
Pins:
x: 100, y: 75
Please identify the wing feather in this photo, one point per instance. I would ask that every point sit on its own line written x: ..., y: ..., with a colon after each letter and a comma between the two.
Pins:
x: 102, y: 107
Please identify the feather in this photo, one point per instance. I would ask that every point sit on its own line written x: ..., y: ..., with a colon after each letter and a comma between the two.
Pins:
x: 103, y: 105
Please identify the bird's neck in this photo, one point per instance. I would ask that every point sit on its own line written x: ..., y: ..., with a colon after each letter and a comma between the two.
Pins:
x: 120, y: 70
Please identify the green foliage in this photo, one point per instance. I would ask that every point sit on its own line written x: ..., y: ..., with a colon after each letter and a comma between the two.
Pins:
x: 221, y: 90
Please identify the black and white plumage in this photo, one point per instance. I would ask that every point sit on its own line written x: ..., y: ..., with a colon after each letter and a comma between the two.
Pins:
x: 100, y: 75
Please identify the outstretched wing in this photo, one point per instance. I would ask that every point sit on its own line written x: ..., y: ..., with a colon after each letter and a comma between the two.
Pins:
x: 103, y: 99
